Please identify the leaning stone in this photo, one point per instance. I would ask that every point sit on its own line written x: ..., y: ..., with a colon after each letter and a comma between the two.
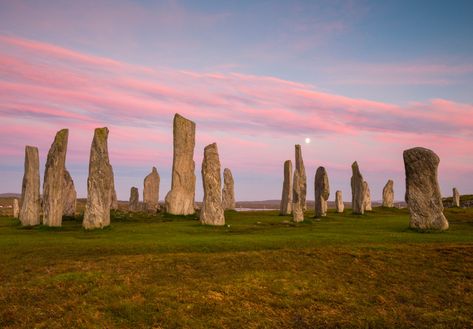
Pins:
x: 16, y: 208
x: 286, y: 198
x: 388, y: 194
x: 302, y: 176
x: 53, y: 185
x: 322, y: 192
x: 30, y: 198
x: 228, y: 192
x: 99, y: 183
x: 134, y: 203
x: 422, y: 190
x: 70, y: 195
x: 180, y: 200
x: 339, y: 205
x: 212, y: 210
x: 297, y: 212
x: 366, y: 197
x: 357, y: 190
x: 151, y: 191
x: 456, y: 197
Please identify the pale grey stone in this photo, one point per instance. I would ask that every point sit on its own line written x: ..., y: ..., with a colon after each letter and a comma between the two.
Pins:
x: 357, y: 190
x: 388, y: 194
x: 366, y: 197
x: 30, y: 197
x: 286, y: 197
x: 297, y: 211
x: 228, y: 191
x: 16, y: 208
x: 134, y: 203
x: 70, y: 195
x: 212, y: 212
x: 456, y: 197
x: 302, y: 176
x: 339, y: 205
x: 321, y: 191
x: 151, y: 191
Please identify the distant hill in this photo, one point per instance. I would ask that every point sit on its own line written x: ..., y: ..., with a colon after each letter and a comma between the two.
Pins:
x: 10, y: 195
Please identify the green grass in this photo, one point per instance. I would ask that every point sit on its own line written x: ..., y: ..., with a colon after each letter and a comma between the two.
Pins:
x: 259, y: 271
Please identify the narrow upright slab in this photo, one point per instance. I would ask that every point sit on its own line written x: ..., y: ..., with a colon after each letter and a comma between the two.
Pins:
x: 357, y: 190
x: 212, y: 209
x: 30, y: 198
x: 456, y: 197
x: 180, y: 200
x: 321, y: 191
x: 53, y: 185
x: 297, y: 212
x: 366, y: 197
x: 422, y: 190
x: 302, y: 176
x: 286, y: 197
x: 134, y: 202
x: 339, y: 205
x: 99, y: 183
x: 388, y: 194
x: 113, y: 195
x: 70, y: 195
x: 228, y: 191
x: 16, y: 208
x: 151, y: 191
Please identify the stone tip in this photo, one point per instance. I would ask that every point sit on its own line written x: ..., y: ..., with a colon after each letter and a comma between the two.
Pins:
x: 211, y: 146
x: 154, y: 169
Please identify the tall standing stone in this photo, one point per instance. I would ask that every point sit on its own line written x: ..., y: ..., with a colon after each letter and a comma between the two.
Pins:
x: 180, y: 200
x: 366, y: 197
x: 228, y: 191
x: 297, y: 211
x: 134, y: 203
x: 286, y: 197
x: 113, y: 195
x: 302, y: 176
x: 30, y: 198
x: 456, y: 197
x: 53, y: 185
x: 388, y: 194
x: 357, y: 190
x: 422, y: 190
x: 339, y: 205
x: 321, y: 191
x: 99, y: 183
x: 212, y: 209
x: 70, y: 195
x: 16, y: 208
x: 151, y: 191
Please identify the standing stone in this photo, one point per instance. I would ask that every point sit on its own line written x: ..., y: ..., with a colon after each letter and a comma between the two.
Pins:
x: 53, y: 185
x: 357, y: 190
x: 322, y: 192
x: 70, y: 195
x: 456, y: 197
x: 151, y: 191
x: 212, y: 209
x: 134, y: 203
x: 99, y: 183
x: 388, y: 194
x: 297, y: 212
x: 366, y: 197
x: 113, y: 195
x: 228, y: 191
x: 302, y: 177
x: 30, y: 198
x: 180, y: 200
x: 16, y: 208
x: 422, y: 190
x: 286, y: 198
x: 339, y: 205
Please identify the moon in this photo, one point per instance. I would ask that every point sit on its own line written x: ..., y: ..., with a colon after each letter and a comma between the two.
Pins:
x: 307, y: 140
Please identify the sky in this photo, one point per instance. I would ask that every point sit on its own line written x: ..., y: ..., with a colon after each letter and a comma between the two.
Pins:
x: 364, y: 80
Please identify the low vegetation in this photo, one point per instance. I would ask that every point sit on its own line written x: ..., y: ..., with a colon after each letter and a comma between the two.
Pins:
x: 258, y: 271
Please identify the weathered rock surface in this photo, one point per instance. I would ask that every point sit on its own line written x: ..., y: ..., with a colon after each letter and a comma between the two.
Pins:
x: 99, y: 183
x: 134, y: 203
x: 422, y: 190
x: 151, y: 191
x: 456, y: 197
x: 70, y: 195
x: 113, y: 195
x: 339, y: 205
x: 180, y: 200
x: 366, y: 197
x: 30, y: 198
x: 53, y: 185
x: 388, y: 194
x: 228, y: 192
x: 321, y: 191
x: 302, y: 176
x: 357, y: 190
x: 16, y: 208
x: 212, y: 209
x: 297, y: 211
x: 286, y: 197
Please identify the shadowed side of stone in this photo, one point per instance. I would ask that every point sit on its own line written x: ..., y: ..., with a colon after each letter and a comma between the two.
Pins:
x: 357, y: 190
x: 321, y: 192
x: 286, y: 197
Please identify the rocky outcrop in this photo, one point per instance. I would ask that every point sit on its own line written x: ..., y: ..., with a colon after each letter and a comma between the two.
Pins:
x: 70, y: 195
x: 212, y: 210
x: 134, y: 203
x: 30, y: 198
x: 357, y: 190
x: 422, y: 190
x: 456, y: 197
x: 180, y: 200
x: 339, y: 205
x: 321, y: 191
x: 151, y: 191
x: 99, y: 183
x: 228, y: 191
x: 297, y: 211
x: 286, y: 197
x: 388, y: 194
x: 16, y: 208
x: 366, y: 197
x: 53, y: 185
x: 302, y: 176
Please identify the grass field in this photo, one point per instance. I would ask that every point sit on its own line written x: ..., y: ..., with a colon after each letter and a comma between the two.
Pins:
x: 260, y: 271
